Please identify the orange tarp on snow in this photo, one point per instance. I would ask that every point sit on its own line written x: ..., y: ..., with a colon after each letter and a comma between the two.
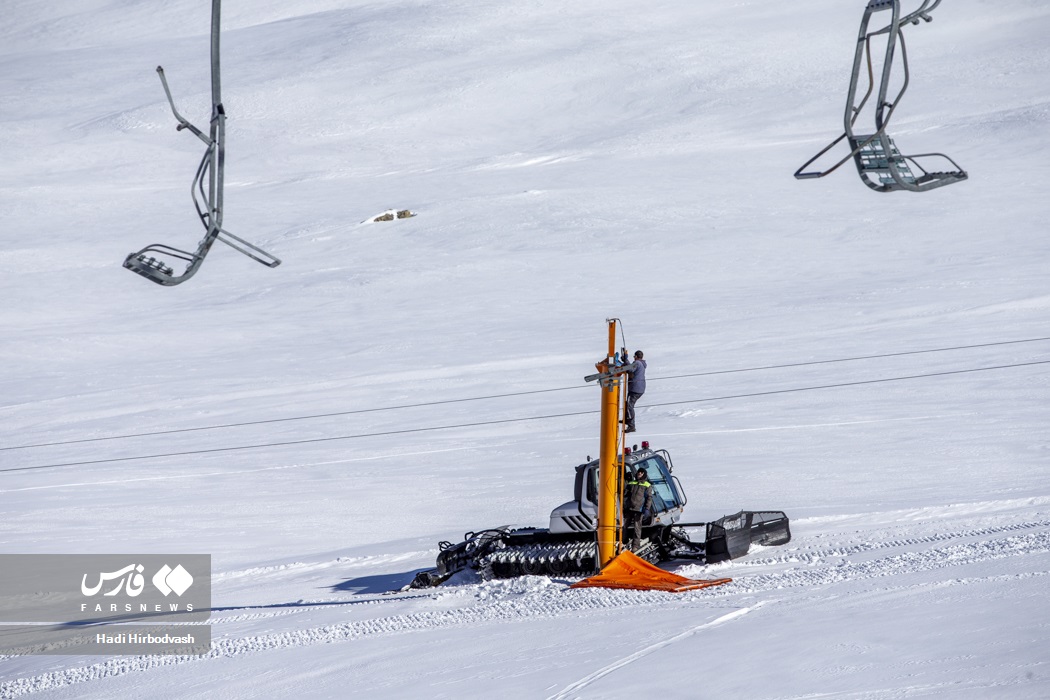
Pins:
x: 627, y: 570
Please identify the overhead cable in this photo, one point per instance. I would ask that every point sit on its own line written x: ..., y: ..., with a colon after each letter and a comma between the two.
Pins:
x: 504, y: 396
x: 405, y: 431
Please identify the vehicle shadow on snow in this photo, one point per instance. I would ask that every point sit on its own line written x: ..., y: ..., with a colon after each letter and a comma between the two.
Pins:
x: 362, y: 585
x: 383, y: 583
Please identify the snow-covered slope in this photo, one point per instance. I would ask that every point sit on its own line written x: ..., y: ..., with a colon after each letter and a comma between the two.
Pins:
x: 568, y: 162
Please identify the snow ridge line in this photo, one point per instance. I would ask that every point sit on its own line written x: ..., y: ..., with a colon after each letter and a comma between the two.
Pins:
x: 534, y: 601
x: 601, y: 673
x: 892, y: 544
x: 901, y: 564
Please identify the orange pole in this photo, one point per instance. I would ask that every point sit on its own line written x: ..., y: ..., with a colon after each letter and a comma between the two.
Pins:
x: 608, y: 456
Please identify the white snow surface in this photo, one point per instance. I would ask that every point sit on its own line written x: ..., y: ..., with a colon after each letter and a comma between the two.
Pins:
x: 567, y: 162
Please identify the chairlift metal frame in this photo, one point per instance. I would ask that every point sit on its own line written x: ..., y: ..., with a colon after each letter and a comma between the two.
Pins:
x: 209, y: 207
x: 881, y: 166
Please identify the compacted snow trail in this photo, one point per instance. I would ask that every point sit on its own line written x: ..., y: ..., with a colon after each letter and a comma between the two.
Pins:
x: 811, y: 572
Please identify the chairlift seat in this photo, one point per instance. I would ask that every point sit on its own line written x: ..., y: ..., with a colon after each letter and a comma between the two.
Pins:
x: 894, y: 171
x: 210, y: 173
x: 871, y: 157
x: 881, y: 166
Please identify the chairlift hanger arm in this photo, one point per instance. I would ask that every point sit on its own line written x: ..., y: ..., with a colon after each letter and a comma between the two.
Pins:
x: 183, y: 122
x: 881, y: 166
x: 880, y: 121
x: 209, y: 202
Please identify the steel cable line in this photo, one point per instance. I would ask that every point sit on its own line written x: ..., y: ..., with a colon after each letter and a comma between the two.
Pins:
x: 293, y: 418
x: 854, y: 359
x: 406, y: 431
x: 854, y: 383
x: 509, y: 395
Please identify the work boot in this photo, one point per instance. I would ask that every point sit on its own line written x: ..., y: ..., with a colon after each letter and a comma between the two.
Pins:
x: 629, y: 429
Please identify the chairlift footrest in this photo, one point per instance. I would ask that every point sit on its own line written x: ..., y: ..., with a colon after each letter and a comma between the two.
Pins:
x: 151, y: 268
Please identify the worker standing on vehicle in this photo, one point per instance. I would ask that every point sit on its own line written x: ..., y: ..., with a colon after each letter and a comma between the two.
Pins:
x: 637, y: 505
x: 635, y: 388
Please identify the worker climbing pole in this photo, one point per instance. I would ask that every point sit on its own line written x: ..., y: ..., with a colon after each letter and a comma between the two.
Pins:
x: 620, y: 568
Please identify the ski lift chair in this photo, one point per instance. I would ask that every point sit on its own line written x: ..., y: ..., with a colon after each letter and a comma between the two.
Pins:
x: 880, y: 164
x: 209, y: 207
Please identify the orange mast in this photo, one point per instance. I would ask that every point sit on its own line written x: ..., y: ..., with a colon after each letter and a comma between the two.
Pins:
x: 611, y: 384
